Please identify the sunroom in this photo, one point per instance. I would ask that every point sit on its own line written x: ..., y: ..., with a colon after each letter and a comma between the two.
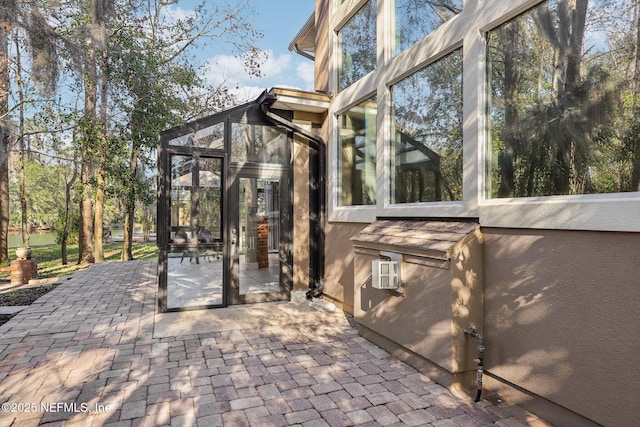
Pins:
x: 226, y: 203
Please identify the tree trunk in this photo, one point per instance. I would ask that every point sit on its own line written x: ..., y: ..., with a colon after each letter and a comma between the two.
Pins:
x: 98, y: 225
x: 89, y: 137
x: 98, y: 220
x: 573, y: 15
x: 127, y: 243
x: 5, y: 141
x: 67, y: 216
x: 85, y: 241
x: 23, y: 197
x: 4, y: 194
x: 130, y: 207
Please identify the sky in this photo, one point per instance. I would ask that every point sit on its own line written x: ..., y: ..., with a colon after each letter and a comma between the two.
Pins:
x: 279, y: 21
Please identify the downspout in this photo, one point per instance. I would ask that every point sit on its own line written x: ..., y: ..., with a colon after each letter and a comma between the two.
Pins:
x: 472, y: 332
x: 301, y: 52
x: 317, y: 219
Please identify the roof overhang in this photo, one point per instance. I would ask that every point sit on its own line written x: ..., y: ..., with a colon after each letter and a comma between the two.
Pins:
x: 304, y: 43
x: 298, y: 100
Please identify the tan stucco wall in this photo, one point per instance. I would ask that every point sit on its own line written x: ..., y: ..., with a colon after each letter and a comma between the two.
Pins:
x: 418, y: 318
x: 562, y: 319
x: 339, y: 256
x: 300, y: 216
x: 440, y: 297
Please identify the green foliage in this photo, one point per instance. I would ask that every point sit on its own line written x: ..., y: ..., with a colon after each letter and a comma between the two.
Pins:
x: 74, y: 226
x: 563, y: 102
x: 50, y: 259
x: 44, y: 192
x: 151, y: 81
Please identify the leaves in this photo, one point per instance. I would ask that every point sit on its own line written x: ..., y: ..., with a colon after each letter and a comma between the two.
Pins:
x: 134, y: 64
x: 562, y: 99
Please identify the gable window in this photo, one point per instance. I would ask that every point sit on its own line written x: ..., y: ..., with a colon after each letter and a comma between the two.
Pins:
x: 357, y: 155
x: 358, y: 45
x: 415, y: 19
x: 427, y: 124
x: 565, y: 100
x: 257, y: 143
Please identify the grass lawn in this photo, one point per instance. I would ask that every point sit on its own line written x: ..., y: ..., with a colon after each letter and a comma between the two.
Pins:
x: 50, y: 258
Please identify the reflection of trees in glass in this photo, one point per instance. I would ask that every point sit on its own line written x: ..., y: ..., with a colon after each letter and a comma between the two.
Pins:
x: 427, y: 109
x: 564, y: 100
x: 209, y: 137
x: 210, y: 180
x: 196, y: 194
x: 259, y: 199
x: 181, y: 190
x: 358, y: 45
x: 357, y: 156
x: 257, y: 143
x: 415, y: 19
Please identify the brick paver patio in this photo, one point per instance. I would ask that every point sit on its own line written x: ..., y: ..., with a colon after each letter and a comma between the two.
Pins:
x: 87, y: 354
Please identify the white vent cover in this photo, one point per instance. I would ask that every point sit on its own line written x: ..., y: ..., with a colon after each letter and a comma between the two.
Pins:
x: 385, y: 274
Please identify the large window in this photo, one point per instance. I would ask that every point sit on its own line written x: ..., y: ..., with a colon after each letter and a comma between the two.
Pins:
x: 565, y: 100
x: 358, y: 45
x: 427, y: 121
x: 357, y: 155
x: 415, y: 19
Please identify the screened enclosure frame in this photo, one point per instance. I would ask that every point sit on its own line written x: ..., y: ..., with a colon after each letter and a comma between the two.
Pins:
x: 211, y: 138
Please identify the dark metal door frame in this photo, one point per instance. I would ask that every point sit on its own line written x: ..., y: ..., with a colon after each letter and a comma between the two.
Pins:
x: 166, y: 244
x: 286, y: 231
x: 250, y: 114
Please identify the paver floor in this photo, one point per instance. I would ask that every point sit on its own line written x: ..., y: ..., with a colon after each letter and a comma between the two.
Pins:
x: 93, y: 352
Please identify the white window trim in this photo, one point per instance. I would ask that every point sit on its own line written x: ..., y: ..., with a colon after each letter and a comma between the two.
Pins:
x: 589, y: 212
x: 601, y: 212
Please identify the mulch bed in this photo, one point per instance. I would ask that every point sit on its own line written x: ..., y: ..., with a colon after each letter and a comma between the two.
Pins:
x: 24, y: 296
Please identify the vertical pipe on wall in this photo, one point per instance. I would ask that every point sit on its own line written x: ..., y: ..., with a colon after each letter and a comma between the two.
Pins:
x: 472, y: 332
x: 317, y: 171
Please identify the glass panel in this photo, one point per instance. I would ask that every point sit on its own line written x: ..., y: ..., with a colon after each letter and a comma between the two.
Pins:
x: 415, y: 19
x: 209, y: 137
x: 257, y: 143
x: 564, y: 100
x: 358, y: 45
x: 357, y: 162
x: 427, y: 113
x: 259, y: 263
x: 210, y: 196
x: 181, y: 193
x: 194, y: 278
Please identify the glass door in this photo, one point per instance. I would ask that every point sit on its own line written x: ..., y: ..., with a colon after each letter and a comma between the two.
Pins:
x: 195, y: 261
x: 225, y: 228
x: 258, y: 248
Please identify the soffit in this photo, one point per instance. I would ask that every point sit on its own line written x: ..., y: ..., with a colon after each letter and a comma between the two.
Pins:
x: 298, y: 100
x: 305, y: 40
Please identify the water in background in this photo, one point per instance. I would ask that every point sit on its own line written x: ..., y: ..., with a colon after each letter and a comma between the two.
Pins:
x: 49, y: 238
x: 35, y: 239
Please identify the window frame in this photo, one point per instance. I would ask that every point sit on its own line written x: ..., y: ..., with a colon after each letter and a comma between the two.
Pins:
x: 597, y: 212
x: 339, y: 171
x: 588, y: 212
x: 392, y: 135
x: 347, y: 11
